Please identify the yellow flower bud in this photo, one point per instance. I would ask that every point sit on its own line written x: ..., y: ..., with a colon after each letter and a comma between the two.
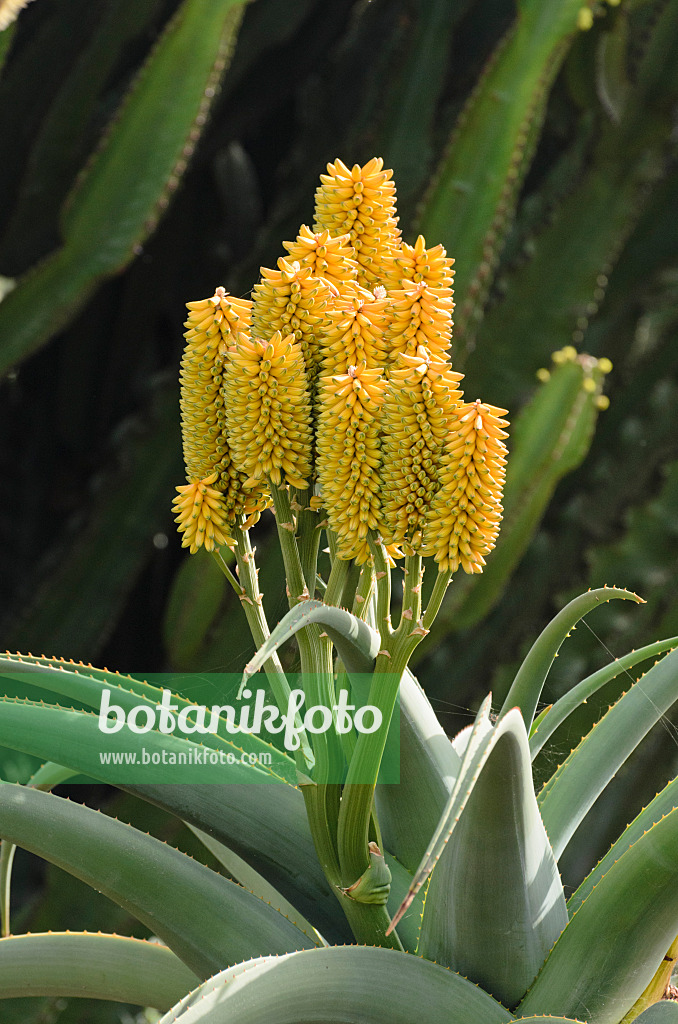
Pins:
x: 463, y: 521
x: 348, y: 456
x: 420, y: 400
x: 421, y: 316
x: 292, y: 301
x: 327, y: 257
x: 269, y: 410
x: 360, y: 203
x: 414, y: 263
x: 215, y: 495
x: 355, y: 335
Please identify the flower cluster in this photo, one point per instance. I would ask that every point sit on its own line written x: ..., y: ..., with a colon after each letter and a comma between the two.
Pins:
x: 338, y: 376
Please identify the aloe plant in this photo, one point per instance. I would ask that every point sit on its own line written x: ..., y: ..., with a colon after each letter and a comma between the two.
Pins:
x: 334, y: 893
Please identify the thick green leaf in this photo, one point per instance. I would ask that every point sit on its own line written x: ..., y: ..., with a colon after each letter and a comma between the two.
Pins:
x: 356, y: 642
x: 664, y: 802
x: 129, y: 180
x: 255, y: 883
x: 361, y: 984
x: 64, y: 964
x: 526, y: 688
x: 495, y: 904
x: 570, y: 701
x: 429, y: 766
x: 73, y: 739
x: 570, y: 793
x: 615, y: 942
x: 268, y: 827
x: 664, y: 1012
x: 204, y: 918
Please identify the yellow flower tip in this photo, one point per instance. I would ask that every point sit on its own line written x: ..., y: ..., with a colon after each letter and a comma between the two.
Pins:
x: 9, y: 11
x: 360, y: 203
x: 584, y: 19
x: 602, y: 402
x: 332, y: 258
x: 604, y: 365
x: 291, y: 300
x: 356, y: 324
x: 421, y: 315
x: 269, y: 409
x: 589, y: 385
x: 462, y: 523
x: 202, y: 518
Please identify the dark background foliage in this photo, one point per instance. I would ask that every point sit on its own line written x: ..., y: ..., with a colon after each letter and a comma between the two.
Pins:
x: 91, y: 567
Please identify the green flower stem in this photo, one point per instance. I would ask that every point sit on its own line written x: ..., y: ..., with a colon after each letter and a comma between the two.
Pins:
x: 336, y: 582
x: 357, y: 798
x: 7, y: 850
x: 369, y: 923
x: 382, y: 575
x: 361, y: 601
x: 411, y: 611
x: 248, y: 591
x: 308, y: 535
x: 436, y: 599
x: 285, y: 522
x: 226, y: 569
x: 321, y: 796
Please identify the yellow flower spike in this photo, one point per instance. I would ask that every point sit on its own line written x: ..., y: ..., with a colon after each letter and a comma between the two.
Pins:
x: 421, y: 316
x: 223, y: 315
x: 215, y: 494
x: 292, y: 301
x: 349, y: 456
x: 355, y: 335
x: 360, y: 203
x: 269, y: 410
x: 415, y: 263
x: 325, y: 256
x: 419, y: 406
x: 463, y: 520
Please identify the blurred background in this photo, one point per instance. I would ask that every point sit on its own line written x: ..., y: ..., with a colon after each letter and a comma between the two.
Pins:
x: 152, y: 150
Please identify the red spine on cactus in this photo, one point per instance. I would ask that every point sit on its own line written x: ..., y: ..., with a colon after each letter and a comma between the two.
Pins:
x: 269, y: 410
x: 349, y: 456
x: 330, y: 258
x: 419, y: 407
x: 292, y: 301
x: 463, y: 521
x: 215, y: 494
x: 360, y: 203
x: 355, y: 335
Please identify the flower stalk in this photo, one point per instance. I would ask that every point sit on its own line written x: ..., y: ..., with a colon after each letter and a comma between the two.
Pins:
x: 332, y: 398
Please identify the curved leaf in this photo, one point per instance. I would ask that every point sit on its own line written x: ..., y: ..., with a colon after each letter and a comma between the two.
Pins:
x: 364, y: 984
x: 73, y: 739
x: 357, y: 643
x: 581, y: 778
x: 664, y: 802
x: 268, y: 827
x: 115, y: 967
x: 615, y: 942
x: 579, y: 694
x: 527, y: 686
x: 204, y: 918
x: 495, y: 903
x: 664, y: 1012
